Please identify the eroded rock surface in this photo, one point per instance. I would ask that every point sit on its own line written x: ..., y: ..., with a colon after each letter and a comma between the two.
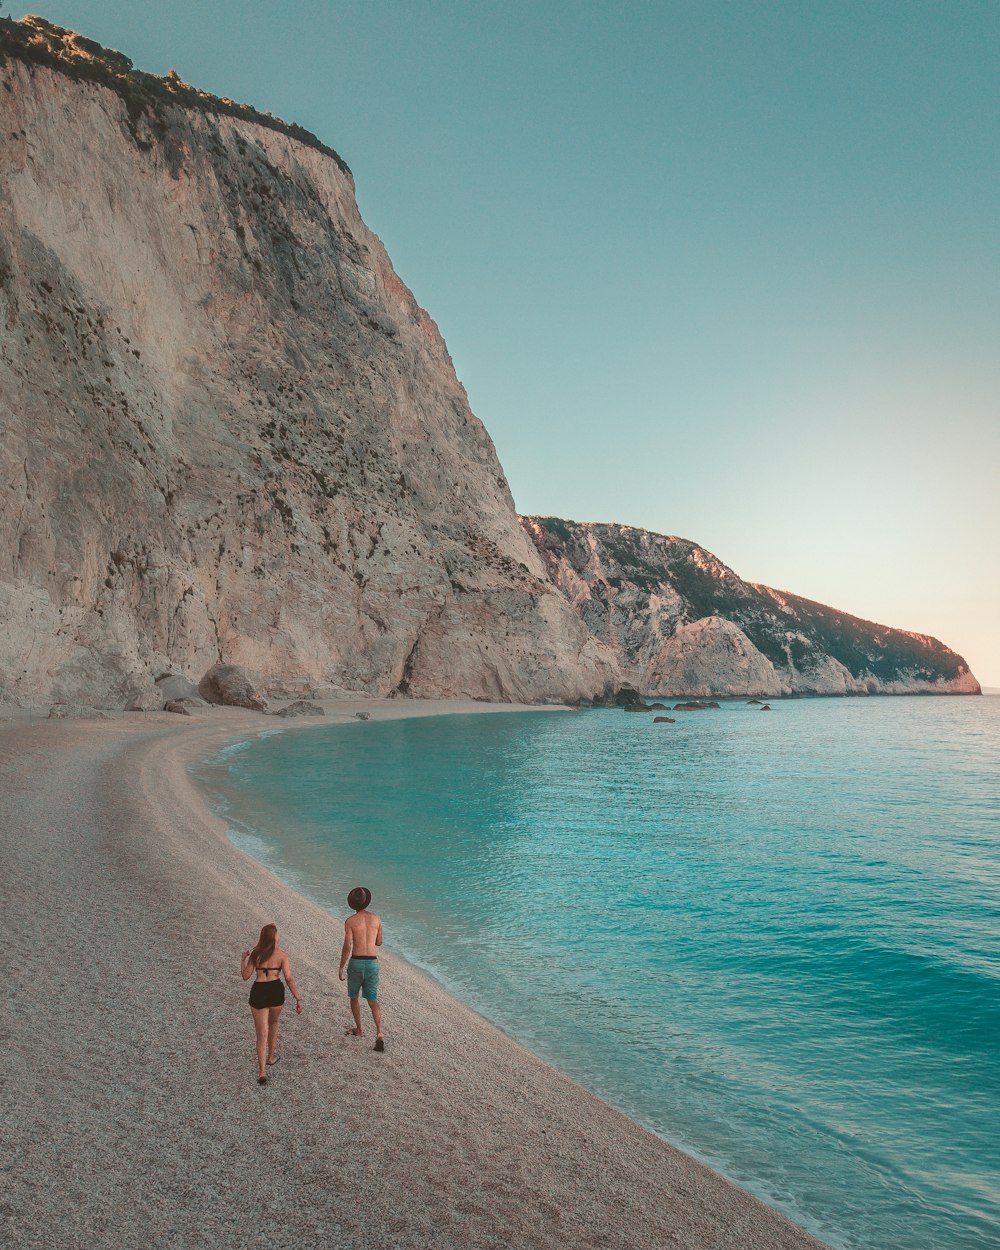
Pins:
x: 229, y: 432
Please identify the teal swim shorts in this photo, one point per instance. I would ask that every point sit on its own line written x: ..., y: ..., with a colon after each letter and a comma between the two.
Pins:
x: 362, y: 978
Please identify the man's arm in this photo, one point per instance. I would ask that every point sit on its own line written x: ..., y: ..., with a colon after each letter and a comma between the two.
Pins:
x: 378, y: 936
x: 345, y: 952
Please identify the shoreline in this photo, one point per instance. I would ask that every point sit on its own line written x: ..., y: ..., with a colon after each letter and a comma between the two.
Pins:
x: 141, y: 1087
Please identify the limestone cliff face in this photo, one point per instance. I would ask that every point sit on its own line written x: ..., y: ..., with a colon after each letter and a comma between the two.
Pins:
x: 227, y: 430
x: 681, y: 622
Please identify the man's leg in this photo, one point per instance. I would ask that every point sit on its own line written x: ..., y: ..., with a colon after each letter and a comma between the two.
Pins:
x: 356, y: 1013
x: 371, y: 993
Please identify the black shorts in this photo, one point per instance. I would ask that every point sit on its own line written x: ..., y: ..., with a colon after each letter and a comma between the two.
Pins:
x: 267, y: 993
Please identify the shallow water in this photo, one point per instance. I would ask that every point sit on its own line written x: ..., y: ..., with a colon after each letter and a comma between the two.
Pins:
x: 772, y: 938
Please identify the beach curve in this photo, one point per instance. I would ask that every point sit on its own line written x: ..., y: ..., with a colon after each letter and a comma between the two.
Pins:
x: 132, y: 1112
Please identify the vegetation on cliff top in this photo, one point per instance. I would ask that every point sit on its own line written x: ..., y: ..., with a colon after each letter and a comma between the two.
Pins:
x: 36, y: 41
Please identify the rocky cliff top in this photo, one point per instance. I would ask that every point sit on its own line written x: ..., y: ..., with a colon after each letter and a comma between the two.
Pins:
x: 39, y: 42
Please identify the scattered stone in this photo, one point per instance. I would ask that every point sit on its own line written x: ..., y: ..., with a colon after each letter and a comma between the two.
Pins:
x: 658, y: 707
x: 693, y: 705
x: 229, y: 685
x: 77, y: 711
x: 639, y: 707
x: 664, y: 720
x: 363, y: 715
x: 751, y: 702
x: 177, y: 705
x: 301, y: 707
x: 766, y: 707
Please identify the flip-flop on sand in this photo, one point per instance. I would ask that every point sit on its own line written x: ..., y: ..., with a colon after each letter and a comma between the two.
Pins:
x: 262, y: 1080
x: 380, y: 1044
x: 272, y: 1062
x: 353, y: 1033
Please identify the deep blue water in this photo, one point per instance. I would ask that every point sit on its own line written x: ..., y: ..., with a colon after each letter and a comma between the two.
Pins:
x: 773, y: 938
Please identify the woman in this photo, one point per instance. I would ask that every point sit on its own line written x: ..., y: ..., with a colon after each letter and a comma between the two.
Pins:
x: 267, y: 994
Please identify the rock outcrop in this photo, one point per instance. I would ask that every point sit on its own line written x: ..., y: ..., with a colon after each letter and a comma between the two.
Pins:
x: 229, y: 432
x: 301, y: 707
x: 230, y: 686
x: 681, y: 622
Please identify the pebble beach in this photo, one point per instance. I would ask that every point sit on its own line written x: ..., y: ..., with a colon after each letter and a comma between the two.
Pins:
x: 132, y: 1113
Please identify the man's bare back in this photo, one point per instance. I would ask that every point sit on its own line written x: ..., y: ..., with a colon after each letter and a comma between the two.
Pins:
x: 364, y: 930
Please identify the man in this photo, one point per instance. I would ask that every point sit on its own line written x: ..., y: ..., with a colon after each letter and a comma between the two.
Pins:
x: 362, y: 933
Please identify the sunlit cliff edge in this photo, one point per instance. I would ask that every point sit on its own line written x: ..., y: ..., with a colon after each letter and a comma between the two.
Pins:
x: 681, y: 622
x: 229, y: 432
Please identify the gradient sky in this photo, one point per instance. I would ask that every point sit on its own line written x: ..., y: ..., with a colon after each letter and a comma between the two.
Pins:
x: 728, y: 269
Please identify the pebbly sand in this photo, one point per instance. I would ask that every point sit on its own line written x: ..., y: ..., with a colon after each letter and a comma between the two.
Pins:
x: 131, y: 1113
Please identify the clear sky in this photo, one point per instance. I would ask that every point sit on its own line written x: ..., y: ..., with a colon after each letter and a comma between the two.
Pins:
x: 728, y: 269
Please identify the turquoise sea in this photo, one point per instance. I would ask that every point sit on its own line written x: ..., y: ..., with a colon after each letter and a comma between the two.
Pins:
x: 773, y: 938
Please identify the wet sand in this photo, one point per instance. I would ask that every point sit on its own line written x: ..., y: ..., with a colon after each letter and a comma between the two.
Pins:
x: 132, y: 1116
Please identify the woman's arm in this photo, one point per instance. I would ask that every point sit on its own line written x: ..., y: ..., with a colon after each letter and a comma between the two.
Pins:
x: 287, y: 969
x: 246, y: 967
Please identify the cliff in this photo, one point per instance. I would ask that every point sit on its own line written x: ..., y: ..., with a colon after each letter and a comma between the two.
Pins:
x: 228, y: 430
x: 681, y: 622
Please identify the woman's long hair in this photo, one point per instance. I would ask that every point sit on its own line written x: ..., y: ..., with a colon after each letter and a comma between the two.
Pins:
x: 264, y: 949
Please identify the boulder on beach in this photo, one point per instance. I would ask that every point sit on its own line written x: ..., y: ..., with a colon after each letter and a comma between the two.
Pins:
x: 77, y: 711
x: 301, y: 707
x: 179, y: 706
x: 229, y: 685
x: 362, y: 715
x: 664, y: 720
x: 145, y: 701
x: 173, y: 686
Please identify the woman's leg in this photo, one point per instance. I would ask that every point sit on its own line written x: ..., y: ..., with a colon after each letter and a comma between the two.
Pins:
x: 273, y: 1014
x: 260, y: 1015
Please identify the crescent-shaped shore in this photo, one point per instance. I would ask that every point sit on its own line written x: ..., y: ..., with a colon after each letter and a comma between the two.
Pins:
x: 132, y: 1114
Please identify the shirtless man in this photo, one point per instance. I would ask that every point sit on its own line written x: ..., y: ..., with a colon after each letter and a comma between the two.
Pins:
x: 362, y: 933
